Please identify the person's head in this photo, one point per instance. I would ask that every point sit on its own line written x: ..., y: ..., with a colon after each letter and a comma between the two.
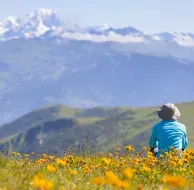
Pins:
x: 169, y: 112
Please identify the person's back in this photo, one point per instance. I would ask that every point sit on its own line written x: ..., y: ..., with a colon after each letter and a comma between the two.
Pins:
x: 168, y: 133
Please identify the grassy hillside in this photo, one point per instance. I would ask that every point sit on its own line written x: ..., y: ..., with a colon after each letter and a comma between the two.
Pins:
x: 96, y: 129
x: 55, y: 112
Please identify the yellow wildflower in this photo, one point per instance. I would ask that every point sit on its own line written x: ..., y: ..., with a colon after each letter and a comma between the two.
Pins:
x: 191, y: 172
x: 41, y: 161
x: 51, y: 168
x: 97, y: 166
x: 121, y: 163
x: 175, y: 181
x: 173, y: 163
x: 146, y: 169
x: 86, y: 170
x: 144, y: 148
x: 44, y: 156
x: 106, y: 168
x: 122, y: 184
x: 60, y: 162
x: 128, y: 172
x: 16, y: 154
x: 110, y: 155
x: 129, y: 148
x: 101, y: 153
x: 183, y: 170
x: 51, y: 157
x: 140, y: 187
x: 180, y: 162
x: 116, y: 153
x: 112, y: 179
x: 106, y: 161
x: 13, y: 153
x: 26, y: 155
x: 40, y: 182
x: 98, y: 181
x: 73, y: 172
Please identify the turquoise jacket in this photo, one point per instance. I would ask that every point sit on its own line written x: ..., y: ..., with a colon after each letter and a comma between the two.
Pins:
x: 168, y: 134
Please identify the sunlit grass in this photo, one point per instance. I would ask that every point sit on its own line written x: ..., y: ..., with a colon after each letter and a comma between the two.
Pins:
x: 124, y: 169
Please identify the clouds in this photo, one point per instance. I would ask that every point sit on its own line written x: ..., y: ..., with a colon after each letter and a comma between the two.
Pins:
x: 112, y: 37
x: 136, y: 43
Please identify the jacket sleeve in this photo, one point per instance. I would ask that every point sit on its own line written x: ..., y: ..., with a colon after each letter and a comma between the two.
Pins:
x: 153, y: 142
x: 185, y: 139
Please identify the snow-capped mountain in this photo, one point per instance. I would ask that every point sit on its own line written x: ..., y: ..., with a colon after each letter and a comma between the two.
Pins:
x: 45, y: 23
x: 183, y: 39
x: 38, y: 22
x: 34, y: 24
x: 108, y: 29
x: 11, y: 23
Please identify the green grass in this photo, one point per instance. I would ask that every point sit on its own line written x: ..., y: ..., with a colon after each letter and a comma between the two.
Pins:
x: 95, y: 129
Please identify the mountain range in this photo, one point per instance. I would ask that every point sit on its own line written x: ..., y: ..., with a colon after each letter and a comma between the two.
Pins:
x: 46, y: 60
x: 44, y: 23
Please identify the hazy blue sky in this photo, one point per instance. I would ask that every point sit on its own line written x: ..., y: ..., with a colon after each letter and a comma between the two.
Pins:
x: 147, y: 15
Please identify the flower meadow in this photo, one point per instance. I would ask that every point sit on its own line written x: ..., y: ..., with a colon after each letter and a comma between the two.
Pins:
x: 123, y: 169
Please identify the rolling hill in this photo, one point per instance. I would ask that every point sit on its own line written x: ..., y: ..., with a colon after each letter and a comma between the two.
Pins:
x: 63, y: 128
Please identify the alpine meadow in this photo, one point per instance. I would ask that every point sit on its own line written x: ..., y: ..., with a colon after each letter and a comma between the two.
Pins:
x: 96, y: 107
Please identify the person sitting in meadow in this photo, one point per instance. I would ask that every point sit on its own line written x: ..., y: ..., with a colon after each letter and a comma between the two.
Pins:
x: 168, y: 133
